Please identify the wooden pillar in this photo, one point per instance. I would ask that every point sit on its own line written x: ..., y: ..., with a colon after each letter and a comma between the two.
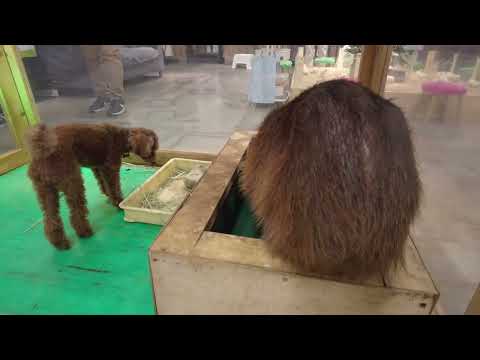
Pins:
x: 476, y: 70
x: 454, y: 63
x: 374, y: 66
x: 18, y: 104
x: 431, y: 62
x: 297, y: 76
x: 356, y: 66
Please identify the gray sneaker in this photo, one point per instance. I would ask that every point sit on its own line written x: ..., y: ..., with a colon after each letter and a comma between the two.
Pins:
x: 117, y: 106
x: 100, y: 104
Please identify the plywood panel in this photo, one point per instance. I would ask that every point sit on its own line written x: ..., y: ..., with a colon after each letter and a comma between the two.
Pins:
x: 226, y: 288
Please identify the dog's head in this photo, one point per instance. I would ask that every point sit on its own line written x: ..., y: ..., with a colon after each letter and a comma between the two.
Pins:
x: 144, y: 143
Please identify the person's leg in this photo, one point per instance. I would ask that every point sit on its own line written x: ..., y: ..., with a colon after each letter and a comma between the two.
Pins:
x: 91, y: 54
x: 111, y: 68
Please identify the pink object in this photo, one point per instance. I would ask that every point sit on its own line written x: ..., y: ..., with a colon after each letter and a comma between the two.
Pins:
x: 443, y: 88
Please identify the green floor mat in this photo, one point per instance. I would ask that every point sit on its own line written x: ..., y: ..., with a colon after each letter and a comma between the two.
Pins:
x: 105, y: 274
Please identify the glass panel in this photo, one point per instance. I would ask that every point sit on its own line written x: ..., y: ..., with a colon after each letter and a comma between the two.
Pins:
x: 7, y: 141
x: 334, y: 61
x: 204, y: 54
x: 438, y: 88
x: 318, y: 63
x: 189, y: 94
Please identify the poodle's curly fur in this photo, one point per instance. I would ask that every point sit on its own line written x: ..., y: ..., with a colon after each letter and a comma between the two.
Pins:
x: 57, y: 154
x: 333, y: 180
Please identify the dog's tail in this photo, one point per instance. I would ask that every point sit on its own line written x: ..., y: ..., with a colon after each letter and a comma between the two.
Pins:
x: 41, y: 141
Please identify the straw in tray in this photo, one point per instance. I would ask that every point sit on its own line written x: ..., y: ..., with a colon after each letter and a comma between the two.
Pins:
x: 169, y: 196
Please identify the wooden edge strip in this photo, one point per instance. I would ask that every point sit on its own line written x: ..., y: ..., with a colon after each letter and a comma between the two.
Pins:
x: 249, y: 251
x: 12, y: 160
x: 373, y: 299
x: 374, y: 65
x: 162, y: 156
x: 184, y: 229
x: 253, y: 252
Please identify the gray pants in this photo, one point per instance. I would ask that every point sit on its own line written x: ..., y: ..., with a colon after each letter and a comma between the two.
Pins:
x: 105, y: 68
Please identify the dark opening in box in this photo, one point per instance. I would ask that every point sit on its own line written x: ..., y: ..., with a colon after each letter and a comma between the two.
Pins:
x: 235, y: 215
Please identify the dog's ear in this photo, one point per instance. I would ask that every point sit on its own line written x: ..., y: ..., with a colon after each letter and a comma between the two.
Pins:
x: 152, y: 143
x: 144, y: 143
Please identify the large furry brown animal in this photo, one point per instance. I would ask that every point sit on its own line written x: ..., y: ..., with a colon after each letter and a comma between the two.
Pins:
x: 332, y: 178
x: 57, y: 155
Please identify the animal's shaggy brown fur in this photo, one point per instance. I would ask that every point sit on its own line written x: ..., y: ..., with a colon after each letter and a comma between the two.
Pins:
x: 332, y: 178
x: 57, y: 155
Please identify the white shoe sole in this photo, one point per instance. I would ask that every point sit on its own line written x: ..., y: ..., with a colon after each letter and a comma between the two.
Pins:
x: 118, y: 113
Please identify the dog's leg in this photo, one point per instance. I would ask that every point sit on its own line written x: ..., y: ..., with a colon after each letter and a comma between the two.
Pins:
x: 75, y: 196
x: 101, y: 180
x: 112, y: 177
x: 53, y: 226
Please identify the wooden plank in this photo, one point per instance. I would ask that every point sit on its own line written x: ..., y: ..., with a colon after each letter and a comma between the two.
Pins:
x: 367, y: 61
x: 475, y: 72
x: 12, y: 160
x: 253, y: 252
x: 227, y: 288
x: 474, y: 306
x: 22, y: 84
x: 162, y: 156
x: 382, y: 62
x: 297, y: 76
x: 248, y: 251
x: 239, y: 250
x: 431, y: 64
x: 374, y: 66
x: 185, y: 228
x: 16, y: 100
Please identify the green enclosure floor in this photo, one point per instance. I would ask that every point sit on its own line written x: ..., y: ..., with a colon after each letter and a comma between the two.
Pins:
x: 105, y: 274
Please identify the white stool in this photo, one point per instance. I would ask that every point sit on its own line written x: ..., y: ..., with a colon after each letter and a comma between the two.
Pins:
x: 245, y: 59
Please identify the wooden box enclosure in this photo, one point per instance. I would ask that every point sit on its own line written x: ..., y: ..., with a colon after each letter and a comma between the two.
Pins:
x: 198, y: 271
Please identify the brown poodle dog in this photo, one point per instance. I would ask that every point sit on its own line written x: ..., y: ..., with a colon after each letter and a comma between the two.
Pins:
x: 57, y: 155
x: 333, y: 180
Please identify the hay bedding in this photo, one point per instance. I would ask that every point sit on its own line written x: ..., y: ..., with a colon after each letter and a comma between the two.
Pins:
x: 170, y: 196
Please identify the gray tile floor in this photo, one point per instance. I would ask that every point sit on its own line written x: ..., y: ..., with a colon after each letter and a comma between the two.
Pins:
x: 7, y: 142
x: 191, y: 107
x: 196, y: 107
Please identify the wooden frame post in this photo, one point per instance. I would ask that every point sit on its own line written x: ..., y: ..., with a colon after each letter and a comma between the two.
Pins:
x: 374, y: 65
x: 18, y: 104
